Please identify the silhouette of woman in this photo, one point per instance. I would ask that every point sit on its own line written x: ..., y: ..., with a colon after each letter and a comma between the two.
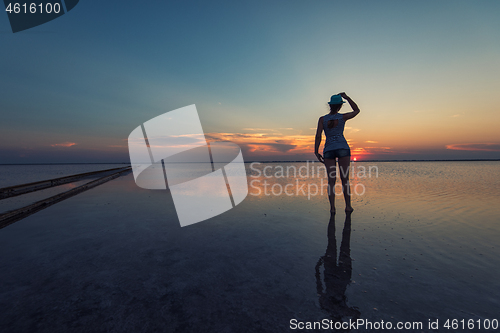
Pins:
x: 337, y: 277
x: 336, y: 147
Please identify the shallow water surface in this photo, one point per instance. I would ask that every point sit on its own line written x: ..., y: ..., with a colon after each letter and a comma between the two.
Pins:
x: 17, y: 174
x: 420, y: 246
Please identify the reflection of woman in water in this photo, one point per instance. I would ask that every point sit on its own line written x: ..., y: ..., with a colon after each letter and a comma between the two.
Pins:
x: 332, y: 297
x: 336, y: 147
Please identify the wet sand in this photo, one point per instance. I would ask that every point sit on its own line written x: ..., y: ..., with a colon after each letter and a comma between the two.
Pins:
x: 114, y: 259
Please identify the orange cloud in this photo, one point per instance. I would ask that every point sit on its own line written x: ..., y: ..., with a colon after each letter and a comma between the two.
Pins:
x: 361, y: 152
x: 269, y: 143
x: 475, y: 146
x: 64, y: 144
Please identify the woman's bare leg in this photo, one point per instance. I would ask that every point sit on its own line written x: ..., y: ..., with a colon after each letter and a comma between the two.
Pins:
x: 344, y: 177
x: 332, y: 177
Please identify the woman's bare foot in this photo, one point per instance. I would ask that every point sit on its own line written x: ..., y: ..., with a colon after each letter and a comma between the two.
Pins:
x: 349, y: 209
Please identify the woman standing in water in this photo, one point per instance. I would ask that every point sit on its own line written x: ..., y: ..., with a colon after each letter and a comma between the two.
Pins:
x: 336, y: 146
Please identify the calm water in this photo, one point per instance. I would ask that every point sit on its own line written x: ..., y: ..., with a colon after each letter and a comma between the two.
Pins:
x: 11, y: 175
x: 422, y: 244
x: 23, y: 174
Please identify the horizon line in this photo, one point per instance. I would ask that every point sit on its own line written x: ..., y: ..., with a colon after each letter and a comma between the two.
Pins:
x: 293, y: 161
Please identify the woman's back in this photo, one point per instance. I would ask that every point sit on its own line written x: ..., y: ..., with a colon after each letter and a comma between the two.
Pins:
x: 333, y: 125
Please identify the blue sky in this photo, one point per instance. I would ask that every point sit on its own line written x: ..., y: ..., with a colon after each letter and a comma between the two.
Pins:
x: 425, y: 75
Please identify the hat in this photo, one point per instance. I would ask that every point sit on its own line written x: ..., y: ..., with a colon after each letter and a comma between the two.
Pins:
x: 336, y: 99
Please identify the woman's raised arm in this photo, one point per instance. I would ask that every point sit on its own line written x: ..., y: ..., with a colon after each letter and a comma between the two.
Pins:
x: 353, y: 105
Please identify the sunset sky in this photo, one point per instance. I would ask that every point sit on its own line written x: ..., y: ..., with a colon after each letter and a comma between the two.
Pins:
x: 425, y: 74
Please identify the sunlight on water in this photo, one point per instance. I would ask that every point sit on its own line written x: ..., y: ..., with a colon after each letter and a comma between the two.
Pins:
x: 438, y: 187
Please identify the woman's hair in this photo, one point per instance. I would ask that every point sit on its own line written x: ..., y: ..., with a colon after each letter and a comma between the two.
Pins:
x: 334, y: 108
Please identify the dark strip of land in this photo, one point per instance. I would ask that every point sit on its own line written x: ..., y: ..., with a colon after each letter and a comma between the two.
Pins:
x: 19, y: 214
x: 12, y: 191
x: 469, y: 160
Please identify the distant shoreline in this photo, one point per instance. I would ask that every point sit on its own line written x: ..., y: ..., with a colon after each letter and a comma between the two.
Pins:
x: 128, y: 163
x: 471, y: 160
x: 249, y: 162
